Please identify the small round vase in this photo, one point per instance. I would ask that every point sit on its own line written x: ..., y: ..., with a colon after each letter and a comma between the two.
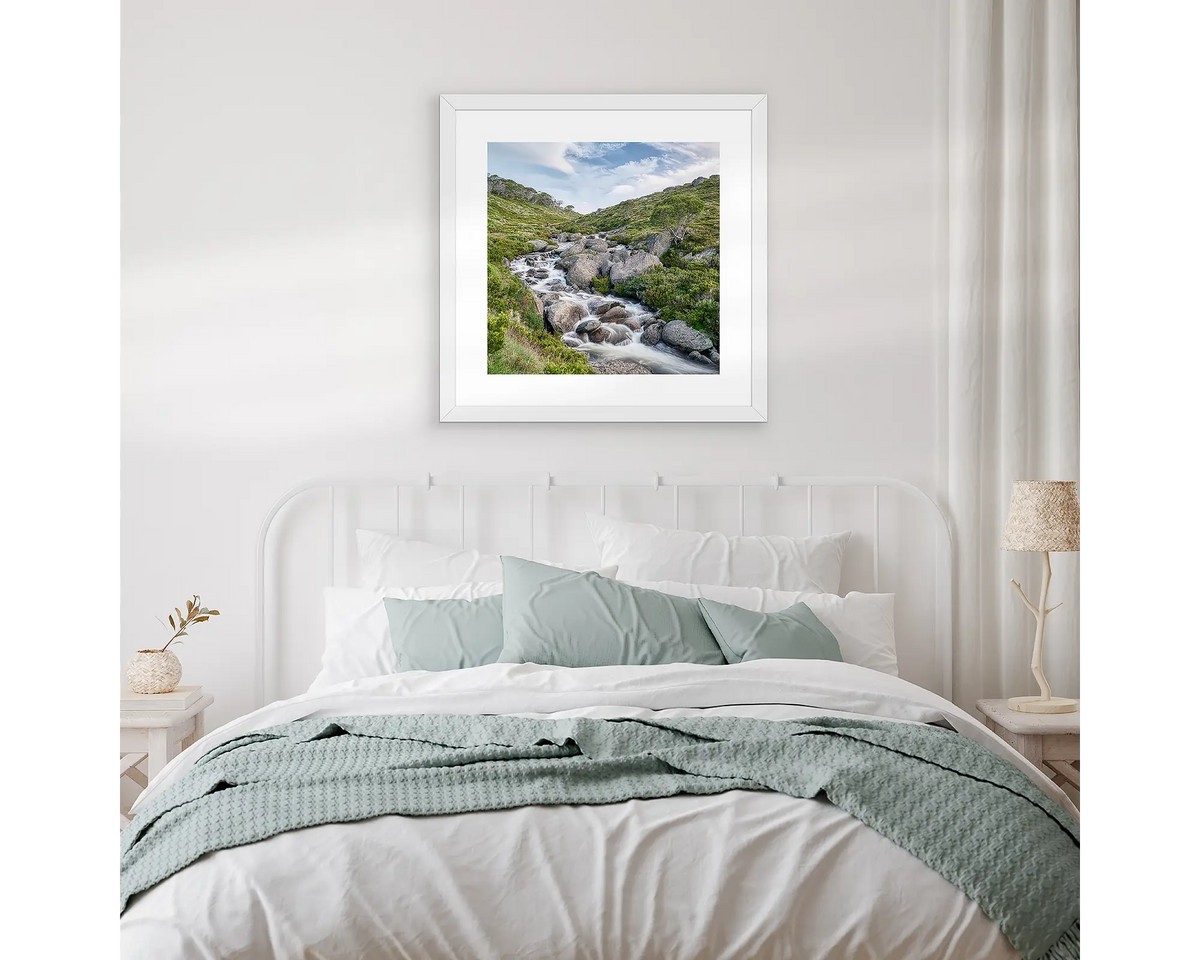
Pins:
x: 153, y: 671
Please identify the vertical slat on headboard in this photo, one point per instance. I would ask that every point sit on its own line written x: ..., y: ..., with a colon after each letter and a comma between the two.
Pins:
x: 532, y: 535
x: 875, y: 541
x: 332, y: 536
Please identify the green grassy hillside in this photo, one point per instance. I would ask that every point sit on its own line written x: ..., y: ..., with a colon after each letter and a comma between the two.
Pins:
x: 704, y: 233
x: 517, y: 339
x: 512, y: 224
x: 684, y: 289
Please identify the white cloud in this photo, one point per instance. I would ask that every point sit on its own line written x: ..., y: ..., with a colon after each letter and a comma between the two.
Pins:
x: 694, y: 152
x: 587, y: 151
x: 550, y: 155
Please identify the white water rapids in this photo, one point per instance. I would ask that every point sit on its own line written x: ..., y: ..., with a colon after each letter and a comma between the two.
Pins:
x: 656, y: 359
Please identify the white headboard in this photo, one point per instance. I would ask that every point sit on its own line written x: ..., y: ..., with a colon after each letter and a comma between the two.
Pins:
x: 901, y: 544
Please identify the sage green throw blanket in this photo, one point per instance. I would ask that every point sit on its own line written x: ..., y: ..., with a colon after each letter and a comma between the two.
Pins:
x: 970, y: 816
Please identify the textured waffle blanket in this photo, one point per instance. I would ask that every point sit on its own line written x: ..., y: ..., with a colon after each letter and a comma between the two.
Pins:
x: 965, y: 813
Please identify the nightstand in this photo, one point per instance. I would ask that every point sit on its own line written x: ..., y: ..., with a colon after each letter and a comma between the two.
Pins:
x: 1050, y: 741
x: 157, y: 731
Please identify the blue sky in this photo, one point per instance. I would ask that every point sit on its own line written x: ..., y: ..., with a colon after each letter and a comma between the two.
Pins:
x: 594, y: 175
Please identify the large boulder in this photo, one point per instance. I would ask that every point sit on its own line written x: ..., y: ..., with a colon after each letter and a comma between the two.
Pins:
x: 587, y: 326
x: 603, y: 264
x: 613, y: 314
x: 570, y: 340
x: 618, y: 254
x: 652, y: 334
x: 697, y: 357
x: 697, y: 181
x: 612, y: 365
x: 683, y: 338
x: 596, y: 244
x: 567, y: 260
x: 633, y: 323
x: 603, y: 306
x: 583, y: 271
x: 563, y: 315
x: 576, y: 247
x: 539, y: 245
x: 637, y: 264
x: 656, y: 244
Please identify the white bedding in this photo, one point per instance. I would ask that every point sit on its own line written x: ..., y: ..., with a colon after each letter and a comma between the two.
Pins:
x: 736, y: 875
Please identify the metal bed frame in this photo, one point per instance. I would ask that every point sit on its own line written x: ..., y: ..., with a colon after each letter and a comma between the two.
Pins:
x: 943, y: 585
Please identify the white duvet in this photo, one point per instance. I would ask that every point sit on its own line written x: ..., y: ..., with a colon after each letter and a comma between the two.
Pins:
x: 737, y: 875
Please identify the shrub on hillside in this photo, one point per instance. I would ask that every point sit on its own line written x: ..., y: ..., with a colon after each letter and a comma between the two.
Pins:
x: 692, y: 295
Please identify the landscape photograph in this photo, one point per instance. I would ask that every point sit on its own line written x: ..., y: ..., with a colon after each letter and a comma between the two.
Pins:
x: 604, y: 258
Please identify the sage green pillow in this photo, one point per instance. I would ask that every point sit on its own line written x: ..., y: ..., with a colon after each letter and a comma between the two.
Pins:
x: 791, y: 634
x: 445, y: 634
x: 574, y: 619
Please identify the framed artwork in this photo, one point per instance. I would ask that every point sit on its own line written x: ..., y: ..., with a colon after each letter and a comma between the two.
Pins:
x: 604, y: 258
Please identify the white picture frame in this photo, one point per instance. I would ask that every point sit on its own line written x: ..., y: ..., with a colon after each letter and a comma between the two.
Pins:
x: 739, y: 393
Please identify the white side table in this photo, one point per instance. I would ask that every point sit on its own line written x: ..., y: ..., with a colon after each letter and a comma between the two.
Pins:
x: 1050, y: 741
x: 156, y: 736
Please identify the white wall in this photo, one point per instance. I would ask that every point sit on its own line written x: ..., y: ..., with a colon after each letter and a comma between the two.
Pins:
x: 279, y: 201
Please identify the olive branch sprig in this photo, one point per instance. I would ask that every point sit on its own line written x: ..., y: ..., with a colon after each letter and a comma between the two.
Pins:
x: 180, y: 621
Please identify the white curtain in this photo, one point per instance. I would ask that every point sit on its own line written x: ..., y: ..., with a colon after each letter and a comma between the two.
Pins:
x: 1013, y: 315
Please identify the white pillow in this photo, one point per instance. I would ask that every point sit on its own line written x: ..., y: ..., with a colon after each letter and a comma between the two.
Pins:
x: 863, y: 623
x: 358, y: 642
x: 385, y: 561
x: 643, y: 551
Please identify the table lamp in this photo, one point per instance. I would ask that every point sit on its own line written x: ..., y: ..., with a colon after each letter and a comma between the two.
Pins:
x: 1043, y: 517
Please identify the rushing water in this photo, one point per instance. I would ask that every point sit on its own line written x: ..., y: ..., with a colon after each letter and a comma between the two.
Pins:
x: 657, y: 359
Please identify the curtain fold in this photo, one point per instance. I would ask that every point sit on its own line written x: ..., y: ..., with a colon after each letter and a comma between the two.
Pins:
x: 1013, y: 324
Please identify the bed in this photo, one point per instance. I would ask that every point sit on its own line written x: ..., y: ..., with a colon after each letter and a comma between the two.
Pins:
x: 790, y: 807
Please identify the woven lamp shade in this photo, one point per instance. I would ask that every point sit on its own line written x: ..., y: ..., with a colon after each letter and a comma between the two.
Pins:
x: 1043, y: 516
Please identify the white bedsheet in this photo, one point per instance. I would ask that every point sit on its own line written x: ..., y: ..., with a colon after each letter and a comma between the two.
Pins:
x: 741, y: 874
